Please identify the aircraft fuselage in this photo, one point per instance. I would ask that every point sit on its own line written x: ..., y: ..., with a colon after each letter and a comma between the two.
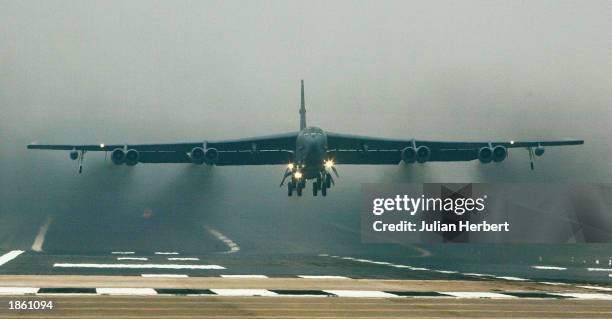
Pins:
x: 311, y: 152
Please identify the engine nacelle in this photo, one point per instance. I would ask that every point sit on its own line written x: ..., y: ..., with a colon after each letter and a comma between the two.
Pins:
x: 132, y: 157
x: 198, y: 155
x: 539, y: 151
x: 423, y: 153
x: 118, y: 156
x: 485, y: 154
x: 409, y: 155
x: 499, y: 153
x: 74, y: 155
x: 212, y: 156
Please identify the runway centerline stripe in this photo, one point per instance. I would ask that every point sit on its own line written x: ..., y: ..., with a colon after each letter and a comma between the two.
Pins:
x: 184, y: 258
x: 137, y: 266
x: 233, y: 247
x: 322, y: 277
x: 599, y: 269
x: 244, y: 276
x: 39, y: 241
x: 132, y: 258
x: 166, y: 253
x: 122, y: 252
x: 10, y: 256
x: 164, y: 276
x: 548, y: 267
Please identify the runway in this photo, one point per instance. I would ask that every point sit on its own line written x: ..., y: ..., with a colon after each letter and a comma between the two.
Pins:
x: 294, y: 261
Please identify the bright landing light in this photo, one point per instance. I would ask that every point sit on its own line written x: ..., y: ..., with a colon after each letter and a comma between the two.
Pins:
x: 297, y: 175
x: 329, y: 164
x: 290, y: 166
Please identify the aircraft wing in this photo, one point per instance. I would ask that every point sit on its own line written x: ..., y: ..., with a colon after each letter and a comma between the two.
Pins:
x: 354, y: 149
x: 264, y: 150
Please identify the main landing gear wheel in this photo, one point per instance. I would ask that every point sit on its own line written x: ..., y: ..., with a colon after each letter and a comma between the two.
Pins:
x: 315, y: 188
x: 290, y: 189
x: 328, y: 180
x: 299, y: 189
x: 324, y: 190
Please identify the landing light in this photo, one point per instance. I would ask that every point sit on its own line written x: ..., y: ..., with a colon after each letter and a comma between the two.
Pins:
x: 297, y: 175
x: 329, y: 164
x: 511, y: 142
x: 290, y: 166
x: 102, y: 145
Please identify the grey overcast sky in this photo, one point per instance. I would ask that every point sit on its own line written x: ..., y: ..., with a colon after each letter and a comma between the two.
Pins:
x: 162, y: 71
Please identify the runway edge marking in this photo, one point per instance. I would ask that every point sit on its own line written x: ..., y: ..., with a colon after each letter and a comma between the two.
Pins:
x: 10, y: 256
x: 233, y: 247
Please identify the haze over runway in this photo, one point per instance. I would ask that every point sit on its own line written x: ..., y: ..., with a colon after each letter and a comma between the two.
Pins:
x: 137, y: 72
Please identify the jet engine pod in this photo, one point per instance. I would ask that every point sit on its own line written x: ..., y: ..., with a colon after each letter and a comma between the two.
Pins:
x: 423, y: 153
x: 539, y: 151
x: 131, y: 157
x: 198, y: 155
x: 485, y: 154
x: 409, y: 155
x: 499, y: 153
x: 74, y: 155
x: 118, y: 156
x: 212, y: 155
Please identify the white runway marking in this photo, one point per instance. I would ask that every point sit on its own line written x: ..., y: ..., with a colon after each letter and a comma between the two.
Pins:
x: 244, y: 276
x: 10, y: 256
x: 322, y: 277
x: 132, y: 258
x: 164, y: 276
x: 166, y: 253
x: 554, y: 283
x: 183, y: 258
x: 122, y: 252
x: 233, y: 247
x: 511, y: 278
x: 549, y: 267
x: 137, y: 266
x: 126, y: 291
x: 446, y: 271
x: 596, y: 288
x: 39, y: 241
x: 599, y: 269
x: 17, y: 290
x: 472, y: 294
x: 477, y: 275
x: 243, y: 292
x: 590, y: 296
x: 361, y: 293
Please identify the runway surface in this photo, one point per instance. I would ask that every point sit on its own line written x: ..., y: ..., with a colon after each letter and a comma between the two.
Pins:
x: 291, y: 248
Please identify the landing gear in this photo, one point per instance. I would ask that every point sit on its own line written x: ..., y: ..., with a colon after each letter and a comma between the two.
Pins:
x: 315, y: 188
x: 324, y: 191
x: 328, y: 179
x: 290, y: 188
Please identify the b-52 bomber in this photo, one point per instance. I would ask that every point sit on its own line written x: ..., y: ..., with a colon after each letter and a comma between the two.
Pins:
x: 309, y: 154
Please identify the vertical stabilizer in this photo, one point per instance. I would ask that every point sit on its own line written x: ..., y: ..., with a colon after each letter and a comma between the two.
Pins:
x: 303, y: 110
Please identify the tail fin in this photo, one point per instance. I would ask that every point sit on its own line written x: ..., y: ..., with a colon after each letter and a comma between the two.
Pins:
x: 303, y: 110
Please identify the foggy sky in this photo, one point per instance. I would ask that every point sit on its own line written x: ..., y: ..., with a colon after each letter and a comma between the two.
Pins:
x: 163, y: 71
